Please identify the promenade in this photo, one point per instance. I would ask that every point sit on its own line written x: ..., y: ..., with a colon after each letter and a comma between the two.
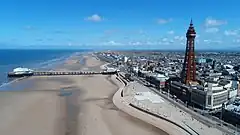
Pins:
x: 142, y: 97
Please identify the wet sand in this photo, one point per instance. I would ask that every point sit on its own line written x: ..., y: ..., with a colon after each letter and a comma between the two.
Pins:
x: 68, y: 105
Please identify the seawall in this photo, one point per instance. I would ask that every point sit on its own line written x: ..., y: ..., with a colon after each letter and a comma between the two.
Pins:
x: 164, y: 124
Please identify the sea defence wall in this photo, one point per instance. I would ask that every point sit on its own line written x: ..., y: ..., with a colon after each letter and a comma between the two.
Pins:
x: 164, y: 124
x: 158, y: 116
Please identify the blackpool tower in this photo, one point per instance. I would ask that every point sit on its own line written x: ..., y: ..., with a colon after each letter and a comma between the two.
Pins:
x: 188, y: 73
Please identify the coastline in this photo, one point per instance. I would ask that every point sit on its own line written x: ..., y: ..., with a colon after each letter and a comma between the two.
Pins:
x: 56, y: 64
x: 38, y: 109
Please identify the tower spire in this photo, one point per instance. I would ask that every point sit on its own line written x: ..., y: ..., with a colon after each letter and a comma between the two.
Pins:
x: 191, y: 23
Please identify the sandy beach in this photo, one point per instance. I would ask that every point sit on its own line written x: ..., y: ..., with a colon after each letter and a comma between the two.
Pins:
x: 40, y: 108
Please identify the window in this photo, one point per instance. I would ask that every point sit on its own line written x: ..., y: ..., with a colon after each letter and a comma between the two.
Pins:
x: 209, y: 100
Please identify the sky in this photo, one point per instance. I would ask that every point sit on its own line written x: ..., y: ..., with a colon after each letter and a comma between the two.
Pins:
x: 122, y: 24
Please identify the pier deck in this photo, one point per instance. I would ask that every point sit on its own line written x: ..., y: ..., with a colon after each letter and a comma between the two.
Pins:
x: 52, y: 73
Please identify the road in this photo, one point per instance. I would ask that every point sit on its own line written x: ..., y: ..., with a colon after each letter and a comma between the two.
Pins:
x: 199, y: 117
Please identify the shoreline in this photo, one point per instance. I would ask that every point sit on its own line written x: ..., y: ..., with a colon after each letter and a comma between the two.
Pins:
x: 42, y: 110
x: 54, y: 66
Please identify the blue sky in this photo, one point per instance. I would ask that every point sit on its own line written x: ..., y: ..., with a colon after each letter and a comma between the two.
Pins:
x: 149, y: 24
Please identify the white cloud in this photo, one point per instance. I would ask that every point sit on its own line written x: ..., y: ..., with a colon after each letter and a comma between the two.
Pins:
x: 212, y: 30
x: 197, y: 41
x: 114, y: 43
x: 236, y: 40
x: 135, y: 43
x: 214, y: 22
x: 207, y: 41
x: 182, y: 43
x: 171, y: 32
x: 231, y: 32
x: 217, y: 41
x: 150, y: 43
x: 70, y: 44
x: 165, y: 39
x: 164, y: 43
x: 94, y: 18
x: 179, y: 38
x: 28, y: 27
x: 197, y: 36
x: 171, y: 41
x: 163, y: 21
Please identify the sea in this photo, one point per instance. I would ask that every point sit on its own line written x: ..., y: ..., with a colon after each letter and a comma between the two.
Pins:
x: 33, y: 59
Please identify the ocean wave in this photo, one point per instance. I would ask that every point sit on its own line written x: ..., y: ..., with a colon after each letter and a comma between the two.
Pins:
x: 39, y: 65
x: 49, y: 64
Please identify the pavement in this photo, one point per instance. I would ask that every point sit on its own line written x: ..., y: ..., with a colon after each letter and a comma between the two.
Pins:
x: 167, y: 110
x: 123, y: 104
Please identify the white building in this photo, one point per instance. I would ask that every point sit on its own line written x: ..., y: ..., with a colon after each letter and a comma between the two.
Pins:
x: 135, y: 69
x: 228, y: 66
x: 21, y: 70
x: 125, y: 59
x: 216, y: 96
x: 109, y: 69
x: 158, y: 79
x: 210, y: 97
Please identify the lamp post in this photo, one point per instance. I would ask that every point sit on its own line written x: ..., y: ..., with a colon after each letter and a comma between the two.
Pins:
x: 222, y: 113
x: 169, y: 88
x: 236, y: 130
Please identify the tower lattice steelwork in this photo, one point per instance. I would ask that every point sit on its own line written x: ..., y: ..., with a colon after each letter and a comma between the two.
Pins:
x: 188, y: 74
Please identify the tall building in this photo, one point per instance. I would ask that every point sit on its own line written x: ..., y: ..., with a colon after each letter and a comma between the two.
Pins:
x: 188, y: 74
x: 213, y: 64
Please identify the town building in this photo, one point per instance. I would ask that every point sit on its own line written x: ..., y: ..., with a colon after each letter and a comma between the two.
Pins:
x: 159, y: 80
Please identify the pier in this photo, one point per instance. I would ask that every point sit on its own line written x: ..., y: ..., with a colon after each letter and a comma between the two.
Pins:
x: 57, y: 73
